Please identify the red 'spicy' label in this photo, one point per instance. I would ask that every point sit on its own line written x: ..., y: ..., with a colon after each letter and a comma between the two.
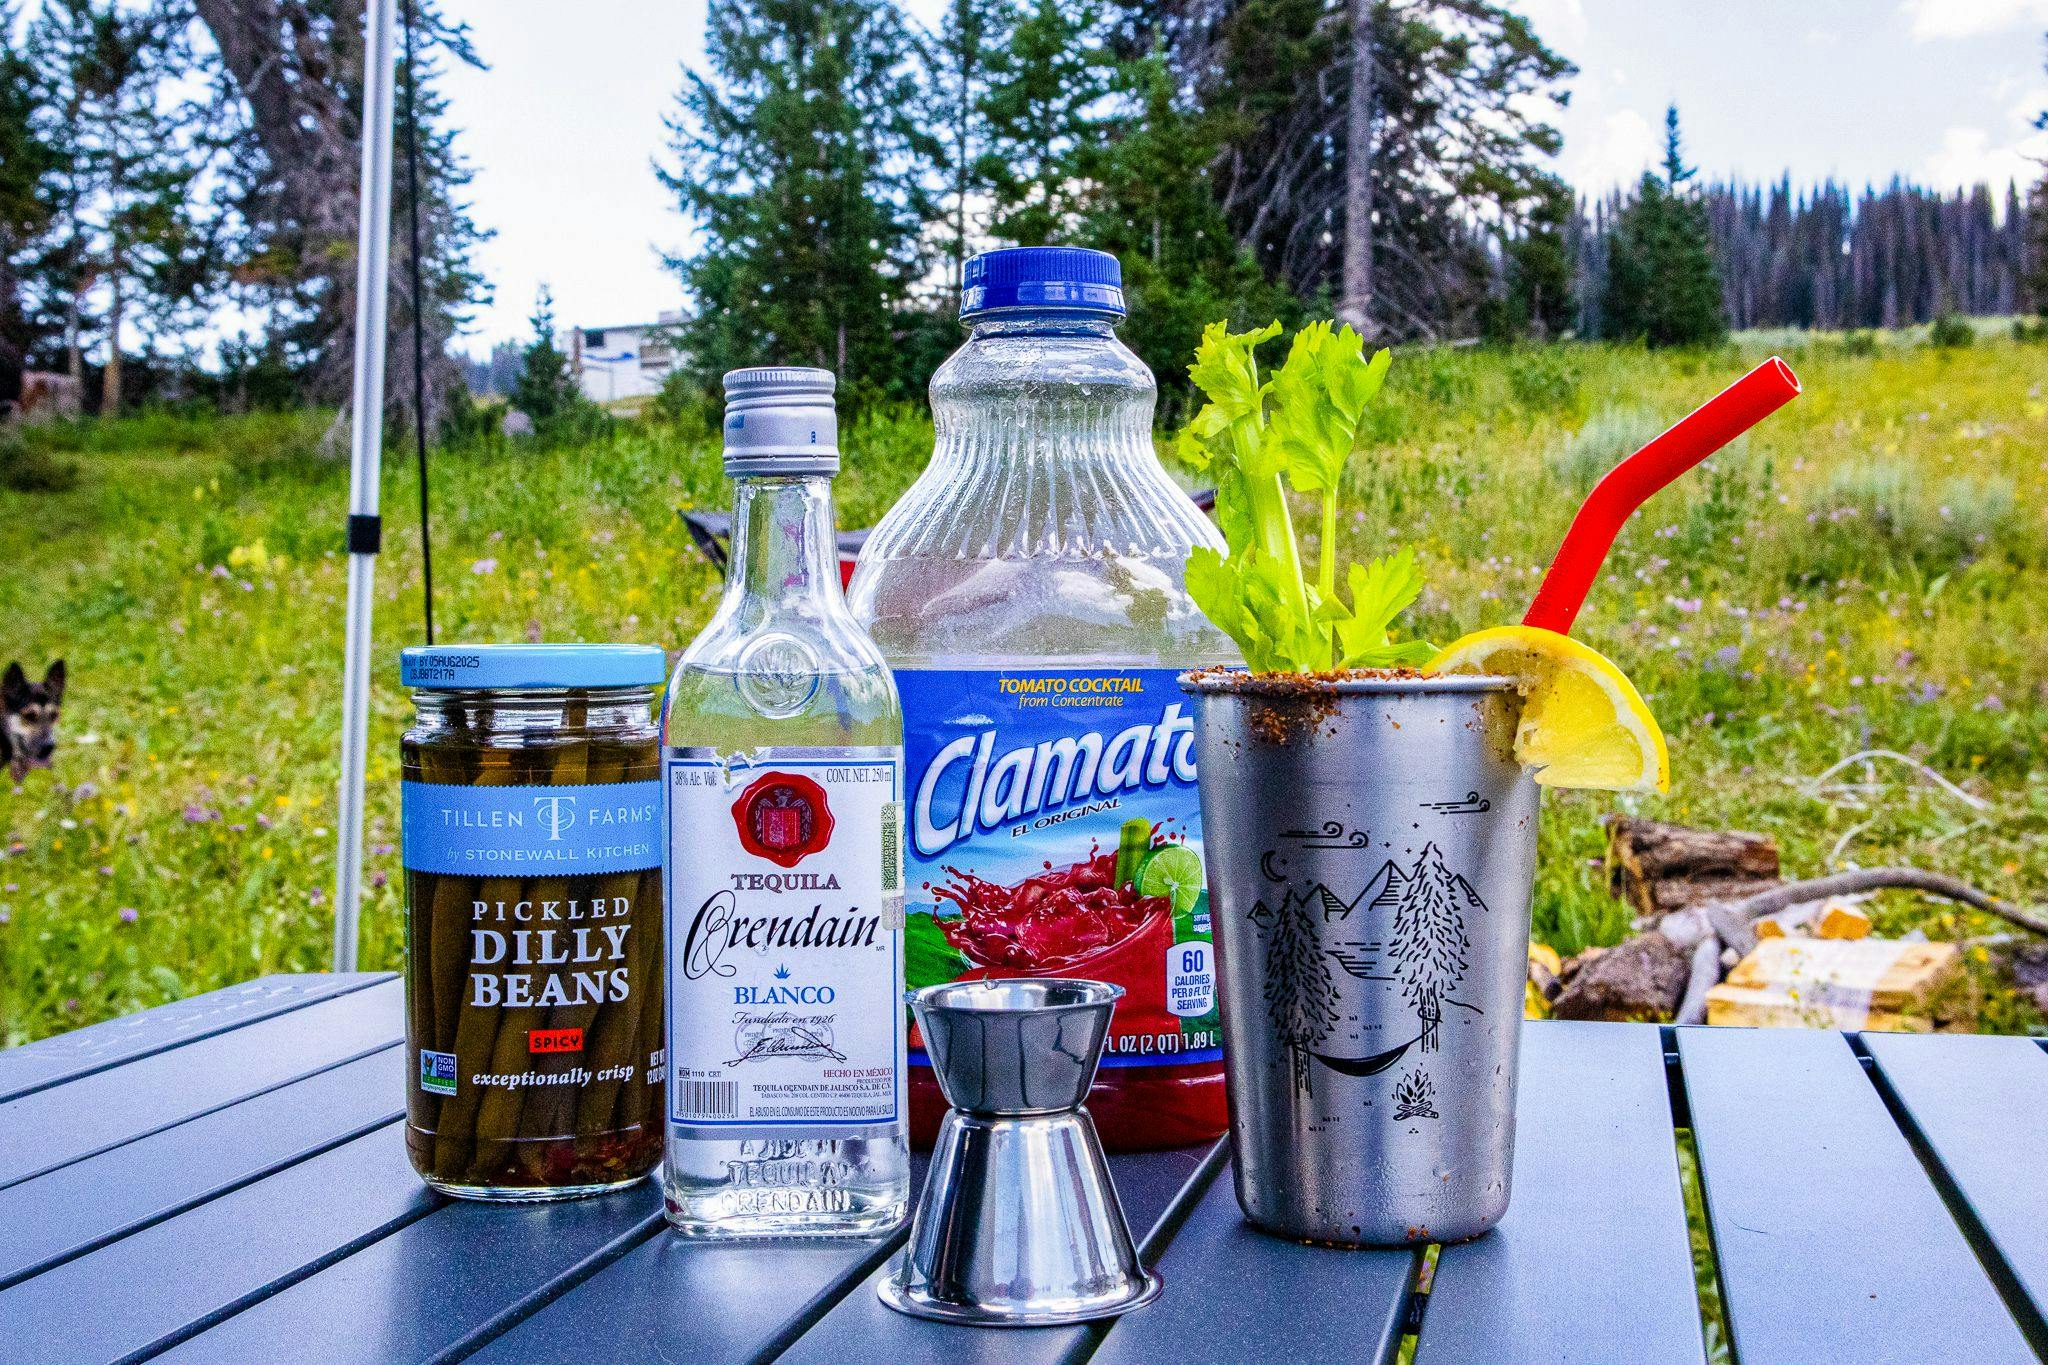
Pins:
x: 554, y: 1040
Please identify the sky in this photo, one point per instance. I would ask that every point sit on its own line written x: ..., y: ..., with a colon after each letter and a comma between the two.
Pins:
x: 564, y: 126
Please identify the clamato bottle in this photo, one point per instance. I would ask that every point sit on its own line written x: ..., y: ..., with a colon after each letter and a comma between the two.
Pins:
x: 782, y: 778
x: 1028, y: 592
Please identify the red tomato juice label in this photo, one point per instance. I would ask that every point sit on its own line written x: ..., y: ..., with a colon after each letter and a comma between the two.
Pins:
x: 1054, y: 829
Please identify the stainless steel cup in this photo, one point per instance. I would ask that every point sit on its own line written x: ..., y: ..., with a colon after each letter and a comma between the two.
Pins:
x: 1018, y: 1224
x: 1370, y: 847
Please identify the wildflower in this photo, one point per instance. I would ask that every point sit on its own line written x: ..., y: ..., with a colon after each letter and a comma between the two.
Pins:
x: 129, y: 914
x: 380, y: 879
x: 380, y: 850
x: 263, y: 820
x: 484, y: 566
x: 221, y: 571
x: 4, y: 915
x: 315, y: 896
x: 84, y: 791
x: 1727, y: 655
x: 106, y: 871
x: 199, y: 815
x: 1991, y: 702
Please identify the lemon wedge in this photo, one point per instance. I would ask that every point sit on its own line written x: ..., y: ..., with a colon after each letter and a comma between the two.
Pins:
x: 1583, y: 722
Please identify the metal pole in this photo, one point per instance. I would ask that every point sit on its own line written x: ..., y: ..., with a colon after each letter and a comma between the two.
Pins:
x: 366, y: 434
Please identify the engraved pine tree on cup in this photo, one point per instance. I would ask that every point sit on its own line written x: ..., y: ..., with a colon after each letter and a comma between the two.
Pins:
x: 1429, y: 939
x: 1301, y: 997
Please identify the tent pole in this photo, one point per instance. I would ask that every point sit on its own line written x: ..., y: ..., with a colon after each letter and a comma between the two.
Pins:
x: 366, y: 451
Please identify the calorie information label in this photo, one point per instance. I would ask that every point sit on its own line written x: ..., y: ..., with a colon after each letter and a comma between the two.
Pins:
x: 786, y: 941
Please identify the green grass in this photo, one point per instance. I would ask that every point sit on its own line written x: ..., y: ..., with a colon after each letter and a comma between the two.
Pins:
x: 1869, y: 570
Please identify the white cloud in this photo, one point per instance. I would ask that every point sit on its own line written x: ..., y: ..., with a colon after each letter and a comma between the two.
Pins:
x: 1616, y: 153
x: 1934, y: 19
x: 1968, y: 157
x: 1561, y: 23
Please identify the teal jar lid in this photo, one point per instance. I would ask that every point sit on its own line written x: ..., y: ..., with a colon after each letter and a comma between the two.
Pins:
x: 454, y: 668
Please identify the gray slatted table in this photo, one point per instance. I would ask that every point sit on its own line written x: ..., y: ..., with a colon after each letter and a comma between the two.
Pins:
x: 223, y: 1179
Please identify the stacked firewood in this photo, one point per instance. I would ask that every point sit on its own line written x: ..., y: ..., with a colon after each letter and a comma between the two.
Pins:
x: 1725, y: 939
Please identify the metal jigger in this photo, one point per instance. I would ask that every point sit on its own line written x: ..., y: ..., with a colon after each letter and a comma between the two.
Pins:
x: 1018, y: 1225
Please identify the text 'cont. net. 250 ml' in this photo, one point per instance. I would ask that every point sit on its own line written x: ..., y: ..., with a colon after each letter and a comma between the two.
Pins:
x: 1028, y: 592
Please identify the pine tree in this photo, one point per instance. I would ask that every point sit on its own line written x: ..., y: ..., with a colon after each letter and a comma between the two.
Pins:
x: 2034, y: 251
x: 129, y: 249
x: 1537, y: 299
x: 1044, y: 121
x: 545, y: 390
x: 1429, y: 940
x: 1151, y: 204
x: 1662, y: 283
x: 291, y: 77
x: 27, y: 163
x: 1300, y: 994
x: 1453, y: 137
x: 803, y: 157
x: 963, y: 57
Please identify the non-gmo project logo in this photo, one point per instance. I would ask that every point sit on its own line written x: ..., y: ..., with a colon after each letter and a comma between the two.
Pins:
x: 437, y: 1072
x: 783, y: 817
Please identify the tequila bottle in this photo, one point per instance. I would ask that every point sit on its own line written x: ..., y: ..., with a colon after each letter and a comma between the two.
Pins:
x: 783, y: 784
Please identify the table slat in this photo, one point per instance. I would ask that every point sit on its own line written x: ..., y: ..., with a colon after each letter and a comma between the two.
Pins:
x: 860, y: 1328
x: 228, y: 1252
x: 1832, y: 1243
x: 1592, y: 1263
x: 58, y: 1215
x: 67, y: 1056
x: 702, y: 1302
x: 47, y: 1129
x: 1980, y: 1105
x: 742, y: 1300
x: 1225, y: 1285
x: 439, y: 1284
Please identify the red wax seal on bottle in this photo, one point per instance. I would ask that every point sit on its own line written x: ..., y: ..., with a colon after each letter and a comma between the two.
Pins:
x: 783, y: 817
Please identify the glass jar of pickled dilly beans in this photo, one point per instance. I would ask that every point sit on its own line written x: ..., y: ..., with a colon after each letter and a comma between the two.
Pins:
x: 532, y: 852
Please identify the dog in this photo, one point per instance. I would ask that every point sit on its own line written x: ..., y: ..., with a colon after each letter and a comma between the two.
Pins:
x: 28, y: 718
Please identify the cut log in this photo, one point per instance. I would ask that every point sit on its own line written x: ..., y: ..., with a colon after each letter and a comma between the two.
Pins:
x: 1754, y: 1007
x: 1843, y: 922
x: 1640, y: 980
x: 1836, y: 983
x: 1660, y: 867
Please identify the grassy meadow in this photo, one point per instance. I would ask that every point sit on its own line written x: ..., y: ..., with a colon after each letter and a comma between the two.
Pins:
x: 1869, y: 571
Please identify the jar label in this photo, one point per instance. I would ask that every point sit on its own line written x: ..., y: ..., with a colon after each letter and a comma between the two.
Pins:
x: 785, y: 945
x: 1055, y: 830
x: 533, y: 982
x: 567, y: 831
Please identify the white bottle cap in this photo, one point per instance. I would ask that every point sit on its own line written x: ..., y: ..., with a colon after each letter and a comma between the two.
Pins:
x: 779, y: 419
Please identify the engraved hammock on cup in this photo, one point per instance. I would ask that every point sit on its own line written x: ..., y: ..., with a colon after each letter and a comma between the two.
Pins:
x: 1422, y: 952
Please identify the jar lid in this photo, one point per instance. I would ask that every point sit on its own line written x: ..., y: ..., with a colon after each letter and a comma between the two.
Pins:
x: 1068, y: 278
x: 453, y: 667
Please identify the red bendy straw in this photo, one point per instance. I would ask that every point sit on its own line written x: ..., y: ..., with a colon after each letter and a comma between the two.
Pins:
x: 1628, y: 485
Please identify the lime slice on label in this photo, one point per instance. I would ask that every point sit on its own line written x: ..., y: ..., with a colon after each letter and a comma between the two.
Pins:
x: 1175, y: 872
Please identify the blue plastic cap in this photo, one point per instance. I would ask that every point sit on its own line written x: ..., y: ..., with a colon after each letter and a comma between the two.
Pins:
x: 452, y: 668
x: 1065, y: 277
